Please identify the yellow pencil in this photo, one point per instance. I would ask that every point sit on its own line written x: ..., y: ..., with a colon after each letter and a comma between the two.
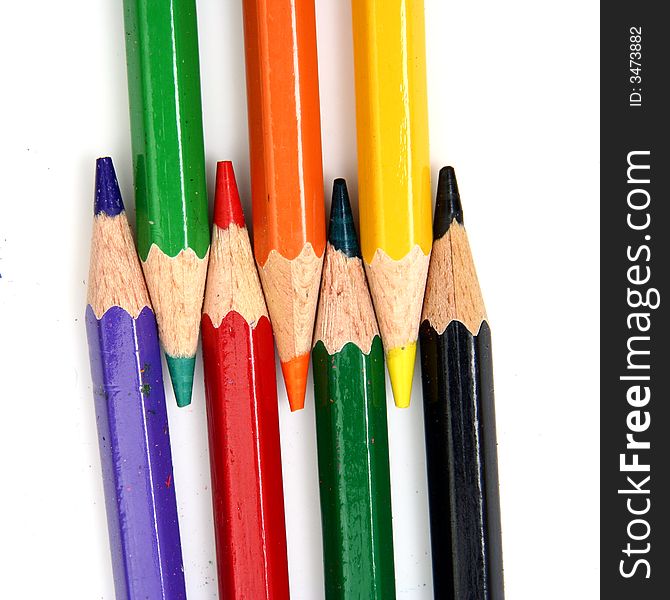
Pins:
x: 393, y: 172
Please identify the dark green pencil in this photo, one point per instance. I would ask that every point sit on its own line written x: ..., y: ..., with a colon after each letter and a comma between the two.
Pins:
x: 351, y: 428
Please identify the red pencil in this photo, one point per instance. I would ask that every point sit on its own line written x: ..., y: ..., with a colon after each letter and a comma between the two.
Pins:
x: 241, y: 389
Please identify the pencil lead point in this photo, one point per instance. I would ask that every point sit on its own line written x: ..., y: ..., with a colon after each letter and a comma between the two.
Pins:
x: 341, y: 231
x: 447, y: 203
x: 181, y: 373
x: 295, y: 377
x: 227, y: 205
x: 107, y: 192
x: 400, y: 363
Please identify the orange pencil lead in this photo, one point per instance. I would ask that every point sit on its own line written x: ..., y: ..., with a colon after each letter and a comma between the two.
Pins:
x: 295, y: 376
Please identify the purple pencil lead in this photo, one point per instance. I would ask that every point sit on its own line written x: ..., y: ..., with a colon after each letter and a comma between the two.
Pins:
x: 107, y: 193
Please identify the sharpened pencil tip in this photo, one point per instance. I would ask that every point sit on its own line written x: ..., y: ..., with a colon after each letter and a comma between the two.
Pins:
x: 447, y: 203
x: 400, y: 363
x: 295, y: 377
x: 107, y: 192
x: 341, y: 230
x: 181, y: 373
x: 227, y: 205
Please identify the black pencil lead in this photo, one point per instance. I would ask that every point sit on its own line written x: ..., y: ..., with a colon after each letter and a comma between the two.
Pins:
x: 447, y: 204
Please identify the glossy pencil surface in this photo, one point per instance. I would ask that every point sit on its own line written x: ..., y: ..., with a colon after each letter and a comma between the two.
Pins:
x: 393, y: 172
x: 245, y: 452
x: 286, y: 173
x: 352, y: 436
x: 169, y: 167
x: 284, y: 127
x: 130, y: 409
x: 392, y: 126
x: 166, y: 120
x: 459, y: 415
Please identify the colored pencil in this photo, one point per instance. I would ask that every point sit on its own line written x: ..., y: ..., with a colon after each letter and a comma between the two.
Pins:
x: 130, y: 408
x: 241, y: 390
x: 286, y: 174
x: 169, y: 165
x: 393, y: 173
x: 352, y: 439
x: 459, y: 414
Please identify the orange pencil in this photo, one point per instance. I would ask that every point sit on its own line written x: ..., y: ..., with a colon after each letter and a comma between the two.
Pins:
x: 286, y: 174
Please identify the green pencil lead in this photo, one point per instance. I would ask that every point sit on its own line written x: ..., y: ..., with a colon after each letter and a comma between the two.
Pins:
x: 342, y: 232
x: 181, y: 372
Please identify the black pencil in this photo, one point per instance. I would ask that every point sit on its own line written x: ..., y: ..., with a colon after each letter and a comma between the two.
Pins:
x: 459, y: 414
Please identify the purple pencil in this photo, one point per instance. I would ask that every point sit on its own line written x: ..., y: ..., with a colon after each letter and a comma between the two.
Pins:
x: 130, y: 408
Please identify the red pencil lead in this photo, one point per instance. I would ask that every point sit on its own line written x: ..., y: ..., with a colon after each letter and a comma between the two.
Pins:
x: 227, y: 205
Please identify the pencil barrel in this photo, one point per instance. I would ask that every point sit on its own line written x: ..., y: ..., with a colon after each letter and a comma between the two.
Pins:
x: 135, y: 453
x: 166, y: 125
x: 286, y: 174
x: 245, y: 458
x: 392, y: 126
x: 284, y: 127
x: 354, y: 478
x: 462, y: 462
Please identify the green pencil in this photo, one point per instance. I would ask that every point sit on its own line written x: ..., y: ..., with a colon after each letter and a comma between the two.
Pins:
x: 169, y: 167
x: 351, y: 429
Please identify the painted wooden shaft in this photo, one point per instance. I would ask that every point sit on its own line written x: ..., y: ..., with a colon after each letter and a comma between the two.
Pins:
x: 354, y: 479
x: 130, y: 408
x: 245, y: 457
x: 352, y: 438
x: 393, y: 172
x: 166, y: 126
x: 169, y: 168
x: 392, y: 126
x: 286, y: 174
x: 459, y: 414
x: 462, y: 462
x: 135, y: 453
x: 242, y: 412
x: 284, y: 127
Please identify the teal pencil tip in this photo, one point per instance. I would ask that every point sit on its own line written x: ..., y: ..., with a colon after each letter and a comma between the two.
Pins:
x: 181, y: 372
x: 342, y: 232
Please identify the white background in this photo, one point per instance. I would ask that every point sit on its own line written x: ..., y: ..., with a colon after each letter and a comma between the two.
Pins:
x: 513, y: 106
